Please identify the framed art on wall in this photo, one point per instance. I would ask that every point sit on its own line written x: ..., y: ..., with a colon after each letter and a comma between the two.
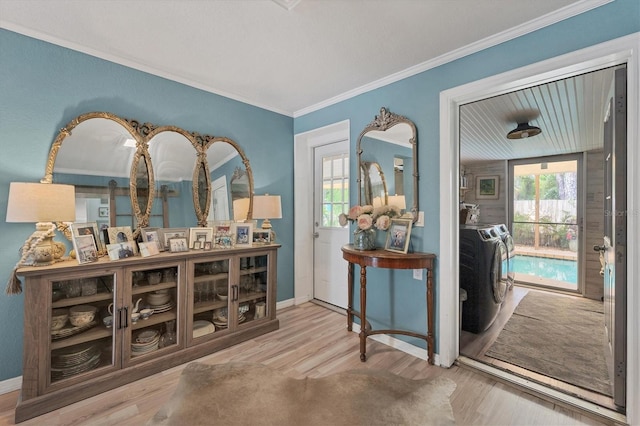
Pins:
x: 487, y: 187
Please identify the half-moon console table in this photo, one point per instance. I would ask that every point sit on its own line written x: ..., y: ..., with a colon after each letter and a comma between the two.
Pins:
x: 390, y: 260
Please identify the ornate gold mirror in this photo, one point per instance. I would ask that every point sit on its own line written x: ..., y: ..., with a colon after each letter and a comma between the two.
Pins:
x: 387, y: 147
x: 232, y: 180
x: 119, y: 167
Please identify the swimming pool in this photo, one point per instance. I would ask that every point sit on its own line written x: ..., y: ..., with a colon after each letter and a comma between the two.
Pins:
x: 553, y: 269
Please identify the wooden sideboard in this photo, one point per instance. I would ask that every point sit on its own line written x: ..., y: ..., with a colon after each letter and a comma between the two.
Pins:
x: 390, y: 260
x: 203, y: 301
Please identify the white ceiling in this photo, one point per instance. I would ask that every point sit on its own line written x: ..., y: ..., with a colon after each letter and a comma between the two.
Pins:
x: 288, y: 56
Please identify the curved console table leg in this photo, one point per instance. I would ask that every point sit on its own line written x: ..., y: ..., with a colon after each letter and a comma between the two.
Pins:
x: 363, y: 313
x: 350, y: 297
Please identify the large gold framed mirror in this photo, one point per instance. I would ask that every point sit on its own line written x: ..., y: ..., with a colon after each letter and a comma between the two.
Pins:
x: 387, y: 158
x: 128, y: 173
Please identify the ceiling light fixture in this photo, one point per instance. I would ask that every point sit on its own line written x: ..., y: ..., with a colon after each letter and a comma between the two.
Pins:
x: 524, y: 130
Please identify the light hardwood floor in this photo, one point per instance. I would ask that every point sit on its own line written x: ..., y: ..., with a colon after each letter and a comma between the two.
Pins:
x: 313, y: 341
x: 476, y: 345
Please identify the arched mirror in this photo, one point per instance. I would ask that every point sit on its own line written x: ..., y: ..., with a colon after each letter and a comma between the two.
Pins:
x: 105, y: 157
x: 174, y: 155
x: 231, y: 180
x: 373, y: 184
x: 390, y: 142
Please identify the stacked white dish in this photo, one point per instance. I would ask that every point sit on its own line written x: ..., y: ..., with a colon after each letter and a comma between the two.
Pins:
x: 144, y: 342
x: 202, y: 328
x: 160, y: 301
x: 74, y: 360
x: 220, y: 318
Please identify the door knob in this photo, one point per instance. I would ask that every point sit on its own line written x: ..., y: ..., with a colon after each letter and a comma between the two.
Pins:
x: 599, y: 248
x: 316, y: 235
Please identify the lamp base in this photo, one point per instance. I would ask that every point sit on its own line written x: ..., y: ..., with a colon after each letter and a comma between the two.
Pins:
x: 41, y: 246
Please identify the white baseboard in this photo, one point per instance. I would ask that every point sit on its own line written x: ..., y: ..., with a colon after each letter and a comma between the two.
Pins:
x: 400, y: 345
x: 285, y: 304
x: 10, y: 385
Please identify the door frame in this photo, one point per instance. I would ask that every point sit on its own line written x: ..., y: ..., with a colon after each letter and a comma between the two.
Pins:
x: 614, y: 52
x: 304, y: 144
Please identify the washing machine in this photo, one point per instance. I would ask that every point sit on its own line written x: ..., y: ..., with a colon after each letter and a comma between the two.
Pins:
x: 507, y: 265
x: 482, y: 254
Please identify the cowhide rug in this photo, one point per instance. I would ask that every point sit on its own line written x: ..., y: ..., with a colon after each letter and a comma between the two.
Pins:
x: 254, y: 394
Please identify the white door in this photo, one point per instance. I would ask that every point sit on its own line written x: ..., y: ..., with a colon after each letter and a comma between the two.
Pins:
x: 331, y: 197
x: 219, y: 200
x: 613, y: 250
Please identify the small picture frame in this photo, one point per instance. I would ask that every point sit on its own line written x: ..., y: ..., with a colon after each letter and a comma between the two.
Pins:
x: 398, y: 235
x: 121, y: 234
x: 200, y: 235
x: 85, y: 247
x: 151, y: 235
x: 243, y: 234
x: 121, y: 250
x: 103, y: 211
x: 90, y: 228
x: 178, y: 244
x: 148, y: 249
x: 207, y: 245
x: 168, y: 233
x: 261, y: 236
x: 487, y: 187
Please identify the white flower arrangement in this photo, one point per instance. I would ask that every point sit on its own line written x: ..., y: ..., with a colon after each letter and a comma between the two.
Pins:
x: 368, y: 216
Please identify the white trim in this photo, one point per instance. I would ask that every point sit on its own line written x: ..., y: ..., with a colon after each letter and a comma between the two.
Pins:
x: 304, y: 143
x: 285, y: 304
x: 477, y: 46
x: 624, y: 49
x: 400, y: 345
x: 10, y: 385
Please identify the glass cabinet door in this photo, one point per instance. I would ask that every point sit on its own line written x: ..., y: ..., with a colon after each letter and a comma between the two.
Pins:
x: 210, y: 297
x: 81, y: 327
x: 252, y: 292
x: 153, y: 322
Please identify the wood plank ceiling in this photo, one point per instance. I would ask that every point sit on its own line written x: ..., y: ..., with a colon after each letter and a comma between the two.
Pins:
x: 570, y: 113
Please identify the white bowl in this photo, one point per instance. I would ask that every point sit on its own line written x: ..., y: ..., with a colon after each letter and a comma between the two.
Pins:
x: 81, y: 319
x: 59, y: 318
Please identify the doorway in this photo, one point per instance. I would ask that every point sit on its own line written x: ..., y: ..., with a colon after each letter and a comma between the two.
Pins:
x: 545, y: 221
x: 623, y: 50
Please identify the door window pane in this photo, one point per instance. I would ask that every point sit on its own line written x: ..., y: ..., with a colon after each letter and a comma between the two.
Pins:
x: 335, y: 189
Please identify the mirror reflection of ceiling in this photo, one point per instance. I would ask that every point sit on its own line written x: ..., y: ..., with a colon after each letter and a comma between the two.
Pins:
x: 400, y: 134
x: 110, y: 153
x: 570, y: 113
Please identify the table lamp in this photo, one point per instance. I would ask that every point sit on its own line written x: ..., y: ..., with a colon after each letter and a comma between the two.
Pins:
x: 267, y: 207
x: 42, y: 204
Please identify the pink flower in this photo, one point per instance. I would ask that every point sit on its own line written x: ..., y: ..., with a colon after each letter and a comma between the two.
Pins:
x: 383, y: 222
x: 354, y: 212
x: 343, y: 219
x: 365, y: 221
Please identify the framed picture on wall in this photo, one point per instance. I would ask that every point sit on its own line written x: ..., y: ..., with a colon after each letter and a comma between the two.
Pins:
x: 487, y: 187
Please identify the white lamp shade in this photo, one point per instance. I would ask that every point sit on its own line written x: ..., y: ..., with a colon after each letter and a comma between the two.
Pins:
x: 267, y: 207
x: 41, y: 202
x: 398, y: 201
x: 240, y: 209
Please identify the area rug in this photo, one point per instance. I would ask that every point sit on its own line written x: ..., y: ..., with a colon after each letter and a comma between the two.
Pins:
x: 558, y: 336
x: 253, y: 394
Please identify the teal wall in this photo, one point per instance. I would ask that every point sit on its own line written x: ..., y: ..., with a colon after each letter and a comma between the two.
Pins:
x: 43, y: 87
x: 394, y: 299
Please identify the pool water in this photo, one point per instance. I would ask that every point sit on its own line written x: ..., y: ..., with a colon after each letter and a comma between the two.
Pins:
x: 553, y: 269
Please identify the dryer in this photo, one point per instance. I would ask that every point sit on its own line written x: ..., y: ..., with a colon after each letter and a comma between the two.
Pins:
x: 482, y: 253
x: 507, y: 265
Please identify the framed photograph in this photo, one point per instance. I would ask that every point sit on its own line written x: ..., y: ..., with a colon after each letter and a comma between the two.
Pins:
x: 398, y: 235
x: 103, y: 211
x: 151, y: 235
x: 487, y: 187
x: 166, y: 234
x: 261, y: 236
x: 121, y: 250
x: 85, y: 247
x: 207, y: 245
x: 149, y: 249
x: 200, y: 236
x: 121, y: 234
x: 90, y: 228
x: 243, y: 234
x: 222, y: 228
x: 178, y: 244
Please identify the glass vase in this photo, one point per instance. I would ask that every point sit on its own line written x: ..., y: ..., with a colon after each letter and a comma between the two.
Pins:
x: 364, y: 239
